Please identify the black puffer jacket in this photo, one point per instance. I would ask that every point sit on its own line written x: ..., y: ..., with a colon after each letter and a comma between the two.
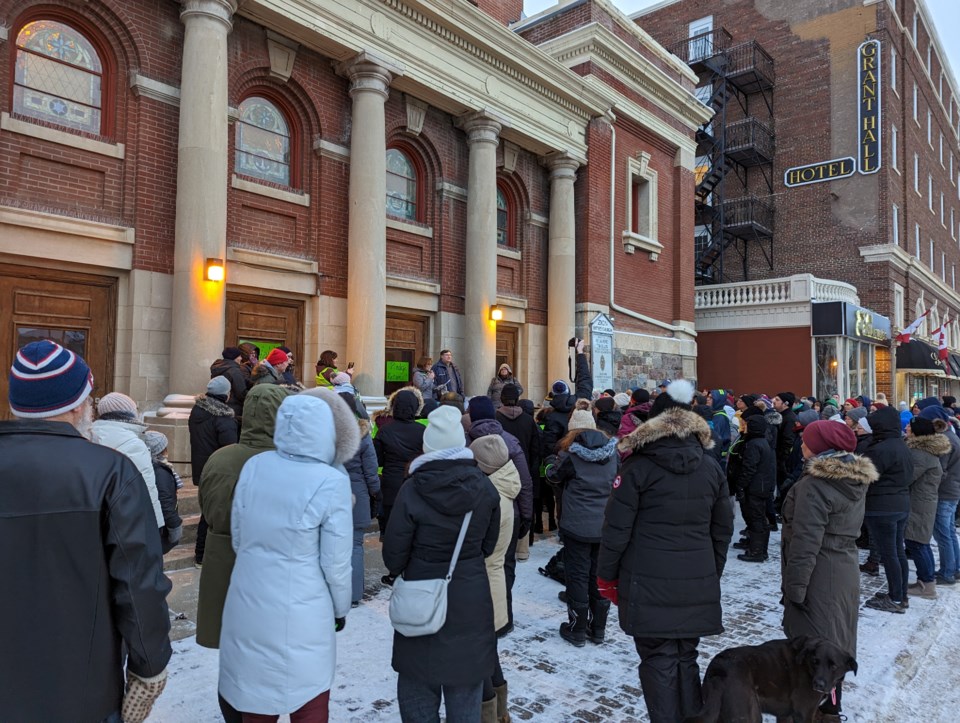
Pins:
x: 667, y: 529
x: 758, y: 470
x: 419, y: 543
x: 525, y: 429
x: 239, y: 382
x: 891, y: 456
x: 586, y: 470
x: 555, y: 424
x: 85, y: 586
x: 398, y: 443
x: 167, y: 493
x: 786, y: 434
x: 212, y: 426
x: 524, y: 501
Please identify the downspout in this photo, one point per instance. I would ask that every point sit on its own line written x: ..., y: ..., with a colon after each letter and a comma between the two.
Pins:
x: 611, y: 118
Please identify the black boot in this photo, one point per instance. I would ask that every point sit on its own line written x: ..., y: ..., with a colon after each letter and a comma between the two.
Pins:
x: 575, y: 631
x: 598, y: 620
x: 757, y: 552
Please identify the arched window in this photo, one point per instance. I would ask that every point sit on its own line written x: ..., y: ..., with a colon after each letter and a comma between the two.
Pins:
x: 504, y: 219
x: 263, y: 141
x: 402, y: 186
x: 59, y: 77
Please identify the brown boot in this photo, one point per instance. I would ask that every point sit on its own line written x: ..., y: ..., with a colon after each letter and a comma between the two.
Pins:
x: 870, y: 568
x: 488, y: 711
x: 503, y: 715
x: 922, y: 589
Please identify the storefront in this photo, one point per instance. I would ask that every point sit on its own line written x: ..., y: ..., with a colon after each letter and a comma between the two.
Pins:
x: 851, y: 350
x: 922, y: 373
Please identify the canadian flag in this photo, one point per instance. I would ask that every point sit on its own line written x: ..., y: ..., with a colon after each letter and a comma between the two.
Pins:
x: 941, y: 336
x: 904, y: 336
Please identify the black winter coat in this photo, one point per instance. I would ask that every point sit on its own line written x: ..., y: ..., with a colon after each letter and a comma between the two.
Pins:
x: 667, y: 529
x: 83, y: 575
x: 609, y: 422
x: 758, y: 471
x: 167, y: 493
x: 523, y: 504
x: 525, y: 429
x: 586, y: 471
x: 785, y: 438
x: 949, y: 489
x: 891, y: 456
x: 419, y: 543
x: 397, y: 444
x: 555, y: 424
x: 239, y: 382
x: 212, y: 426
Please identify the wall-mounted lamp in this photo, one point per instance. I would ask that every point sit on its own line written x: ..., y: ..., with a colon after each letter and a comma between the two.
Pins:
x: 214, y: 270
x: 496, y: 313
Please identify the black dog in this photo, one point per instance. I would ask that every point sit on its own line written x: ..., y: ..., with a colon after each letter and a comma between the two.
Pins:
x: 786, y: 678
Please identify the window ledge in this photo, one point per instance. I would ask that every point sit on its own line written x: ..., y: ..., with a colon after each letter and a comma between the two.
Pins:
x: 633, y: 242
x: 25, y: 128
x: 241, y: 184
x: 406, y: 227
x: 509, y: 253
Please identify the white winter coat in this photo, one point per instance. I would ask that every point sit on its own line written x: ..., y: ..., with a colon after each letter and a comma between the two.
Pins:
x: 127, y: 438
x: 292, y: 527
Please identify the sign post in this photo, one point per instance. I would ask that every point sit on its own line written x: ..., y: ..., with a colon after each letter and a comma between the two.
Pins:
x: 601, y: 352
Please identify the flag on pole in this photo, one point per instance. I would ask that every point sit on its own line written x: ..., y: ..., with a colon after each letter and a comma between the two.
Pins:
x: 904, y: 336
x: 942, y: 339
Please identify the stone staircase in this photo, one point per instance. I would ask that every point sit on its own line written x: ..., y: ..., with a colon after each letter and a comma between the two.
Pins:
x: 181, y: 556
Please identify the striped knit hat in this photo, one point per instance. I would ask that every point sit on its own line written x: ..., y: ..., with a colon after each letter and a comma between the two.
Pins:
x: 47, y: 380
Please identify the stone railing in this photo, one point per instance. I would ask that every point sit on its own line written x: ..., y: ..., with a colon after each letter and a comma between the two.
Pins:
x: 771, y: 292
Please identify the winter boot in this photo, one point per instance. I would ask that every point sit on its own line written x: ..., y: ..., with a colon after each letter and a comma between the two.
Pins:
x: 488, y: 711
x: 599, y: 609
x: 743, y: 544
x: 575, y: 631
x: 503, y: 714
x: 870, y: 568
x: 562, y: 596
x: 922, y: 589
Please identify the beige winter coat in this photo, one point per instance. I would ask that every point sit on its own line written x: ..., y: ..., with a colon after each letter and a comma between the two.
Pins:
x: 507, y: 481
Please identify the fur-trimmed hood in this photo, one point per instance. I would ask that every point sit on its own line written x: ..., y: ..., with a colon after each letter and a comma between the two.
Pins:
x: 311, y: 431
x: 364, y: 427
x: 387, y: 411
x: 214, y: 406
x: 935, y: 444
x: 675, y: 440
x: 843, y: 467
x: 595, y: 454
x: 773, y: 417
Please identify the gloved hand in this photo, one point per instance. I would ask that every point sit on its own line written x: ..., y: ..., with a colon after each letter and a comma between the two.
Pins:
x: 609, y: 589
x: 740, y: 494
x: 339, y: 624
x: 580, y: 343
x: 175, y: 534
x: 524, y: 528
x: 140, y: 695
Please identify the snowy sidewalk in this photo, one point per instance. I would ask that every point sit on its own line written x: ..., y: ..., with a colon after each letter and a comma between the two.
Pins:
x: 908, y: 663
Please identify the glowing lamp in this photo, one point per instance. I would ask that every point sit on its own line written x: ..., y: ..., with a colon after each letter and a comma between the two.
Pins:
x: 214, y: 270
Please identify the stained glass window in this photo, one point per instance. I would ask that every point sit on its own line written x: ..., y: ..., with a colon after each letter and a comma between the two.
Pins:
x: 58, y: 76
x: 263, y: 141
x: 503, y: 219
x: 401, y: 185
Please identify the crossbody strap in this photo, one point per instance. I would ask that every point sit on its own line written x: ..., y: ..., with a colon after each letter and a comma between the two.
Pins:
x: 456, y: 550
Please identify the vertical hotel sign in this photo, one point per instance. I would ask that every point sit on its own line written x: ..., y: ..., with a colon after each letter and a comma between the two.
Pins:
x: 868, y: 116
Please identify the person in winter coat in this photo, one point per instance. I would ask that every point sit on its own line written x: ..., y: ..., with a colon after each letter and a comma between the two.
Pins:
x: 118, y: 427
x: 423, y: 377
x: 523, y: 426
x: 343, y: 384
x: 786, y: 434
x: 822, y: 512
x: 504, y: 377
x: 289, y: 594
x: 636, y: 412
x: 608, y: 416
x: 446, y: 375
x: 562, y: 403
x: 327, y: 369
x: 445, y: 484
x: 271, y: 369
x: 212, y: 426
x: 888, y: 506
x: 755, y: 484
x: 229, y: 368
x: 168, y: 482
x: 397, y: 445
x: 927, y: 445
x: 84, y: 611
x: 384, y: 417
x: 365, y: 485
x: 494, y: 461
x: 948, y: 494
x: 289, y: 375
x: 220, y: 476
x: 663, y: 547
x: 722, y: 434
x: 586, y: 467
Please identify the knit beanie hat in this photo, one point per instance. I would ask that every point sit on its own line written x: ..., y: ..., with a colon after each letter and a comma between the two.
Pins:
x: 787, y: 398
x: 218, y: 387
x: 510, y: 394
x: 605, y: 404
x: 622, y: 400
x: 948, y: 401
x: 678, y: 394
x: 936, y: 412
x: 342, y: 378
x: 766, y: 401
x: 444, y: 430
x: 47, y: 380
x: 481, y: 408
x: 560, y: 387
x: 851, y: 400
x: 640, y: 396
x: 156, y: 442
x: 857, y: 413
x: 277, y: 356
x: 865, y: 425
x: 490, y: 452
x: 922, y: 427
x: 832, y: 403
x: 808, y: 416
x: 929, y: 402
x: 231, y: 353
x: 581, y: 419
x: 749, y: 399
x: 829, y: 411
x: 118, y: 405
x: 823, y: 435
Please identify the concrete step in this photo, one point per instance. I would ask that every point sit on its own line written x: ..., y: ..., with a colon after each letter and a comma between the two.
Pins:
x: 188, y: 501
x: 179, y: 558
x: 190, y: 525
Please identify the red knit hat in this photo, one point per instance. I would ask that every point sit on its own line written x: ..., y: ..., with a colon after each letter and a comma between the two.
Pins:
x: 822, y: 435
x: 277, y: 356
x: 852, y: 401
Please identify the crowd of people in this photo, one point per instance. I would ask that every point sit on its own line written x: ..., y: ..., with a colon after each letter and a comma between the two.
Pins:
x: 639, y: 485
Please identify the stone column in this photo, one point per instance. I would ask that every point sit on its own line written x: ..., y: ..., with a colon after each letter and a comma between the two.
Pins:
x: 201, y: 220
x: 367, y: 233
x: 478, y: 358
x: 561, y: 265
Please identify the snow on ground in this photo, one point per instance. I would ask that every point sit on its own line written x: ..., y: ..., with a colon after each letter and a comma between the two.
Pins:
x: 908, y: 663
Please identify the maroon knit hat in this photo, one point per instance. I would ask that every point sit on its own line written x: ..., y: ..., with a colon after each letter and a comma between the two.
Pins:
x: 822, y: 435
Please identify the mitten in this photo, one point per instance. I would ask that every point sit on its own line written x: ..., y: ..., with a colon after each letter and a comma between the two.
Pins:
x: 608, y: 589
x: 339, y: 624
x: 140, y: 696
x: 174, y: 534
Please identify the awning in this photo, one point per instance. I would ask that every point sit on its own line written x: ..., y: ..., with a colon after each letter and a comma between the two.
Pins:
x: 953, y: 365
x: 922, y: 359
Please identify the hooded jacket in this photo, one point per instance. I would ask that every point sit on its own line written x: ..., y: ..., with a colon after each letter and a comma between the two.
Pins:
x: 758, y: 470
x: 232, y: 372
x: 555, y: 423
x: 507, y: 481
x: 398, y: 443
x: 423, y: 381
x: 926, y: 451
x: 265, y: 373
x: 82, y: 573
x: 522, y: 426
x: 822, y: 515
x: 127, y: 438
x: 774, y: 425
x: 632, y: 418
x: 498, y: 383
x: 950, y: 482
x: 585, y: 469
x: 893, y: 462
x: 292, y: 530
x: 419, y: 543
x: 667, y: 529
x: 212, y: 426
x: 721, y: 421
x: 215, y: 495
x: 482, y: 428
x: 364, y: 480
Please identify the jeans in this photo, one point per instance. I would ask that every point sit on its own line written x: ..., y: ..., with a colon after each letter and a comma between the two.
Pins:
x: 669, y: 677
x: 887, y: 529
x: 510, y: 565
x: 945, y: 533
x: 356, y: 562
x: 922, y: 556
x: 580, y: 567
x: 316, y: 710
x: 420, y: 702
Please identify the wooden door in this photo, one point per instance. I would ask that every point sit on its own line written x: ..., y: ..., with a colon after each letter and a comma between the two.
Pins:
x: 506, y: 349
x: 267, y: 322
x: 405, y: 344
x: 78, y: 311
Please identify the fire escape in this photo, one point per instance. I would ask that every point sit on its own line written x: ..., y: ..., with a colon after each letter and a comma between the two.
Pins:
x: 735, y: 150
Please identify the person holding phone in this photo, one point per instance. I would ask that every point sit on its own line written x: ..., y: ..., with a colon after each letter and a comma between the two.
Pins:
x: 327, y: 369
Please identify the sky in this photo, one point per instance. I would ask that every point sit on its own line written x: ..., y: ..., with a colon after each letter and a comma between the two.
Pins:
x: 945, y: 14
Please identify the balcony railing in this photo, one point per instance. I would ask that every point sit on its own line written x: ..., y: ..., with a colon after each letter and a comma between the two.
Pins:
x: 749, y: 141
x: 750, y: 67
x: 748, y: 214
x: 702, y: 46
x: 770, y: 292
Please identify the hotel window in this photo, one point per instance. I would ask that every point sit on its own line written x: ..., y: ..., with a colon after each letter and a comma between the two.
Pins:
x: 942, y: 216
x: 929, y: 56
x: 941, y: 151
x: 929, y: 127
x: 641, y: 227
x: 951, y: 170
x: 916, y: 236
x: 916, y: 172
x: 940, y: 91
x: 896, y: 224
x: 893, y: 68
x: 953, y: 277
x: 943, y: 266
x: 915, y: 20
x: 933, y: 266
x: 953, y: 228
x: 898, y: 305
x: 930, y: 192
x: 893, y: 147
x: 916, y: 116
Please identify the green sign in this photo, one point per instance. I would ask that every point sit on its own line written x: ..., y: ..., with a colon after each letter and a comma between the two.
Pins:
x: 398, y: 371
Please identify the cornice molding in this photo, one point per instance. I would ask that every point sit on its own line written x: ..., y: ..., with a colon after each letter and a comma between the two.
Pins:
x: 913, y: 268
x: 146, y: 87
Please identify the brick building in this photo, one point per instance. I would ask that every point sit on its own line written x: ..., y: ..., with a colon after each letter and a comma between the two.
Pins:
x: 863, y: 84
x: 373, y: 182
